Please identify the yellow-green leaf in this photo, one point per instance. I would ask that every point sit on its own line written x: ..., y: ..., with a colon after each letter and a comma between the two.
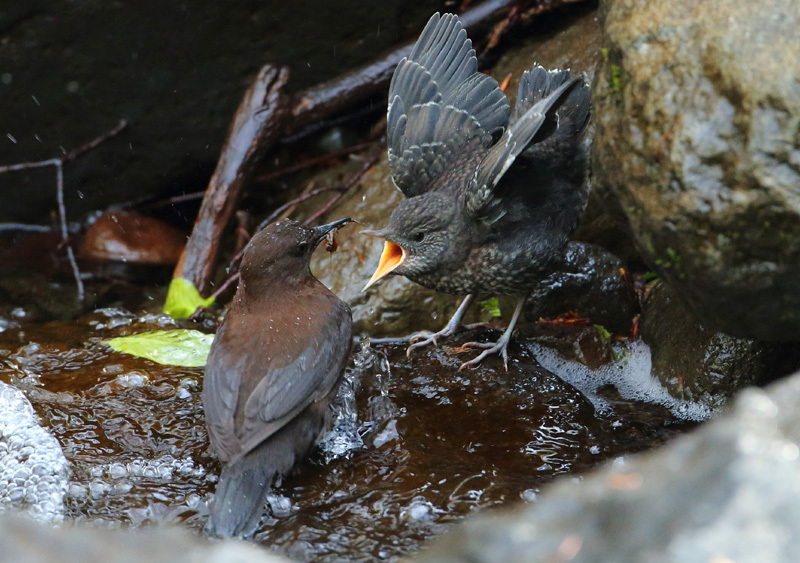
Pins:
x: 183, y: 299
x: 182, y: 347
x: 492, y: 306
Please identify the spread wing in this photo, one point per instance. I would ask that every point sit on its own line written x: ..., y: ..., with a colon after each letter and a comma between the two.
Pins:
x: 539, y: 92
x: 438, y: 103
x: 275, y: 377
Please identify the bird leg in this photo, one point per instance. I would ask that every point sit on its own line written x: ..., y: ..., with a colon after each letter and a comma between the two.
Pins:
x: 501, y: 346
x: 426, y: 337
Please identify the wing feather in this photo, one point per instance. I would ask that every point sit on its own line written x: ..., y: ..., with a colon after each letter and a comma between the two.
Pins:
x: 438, y: 103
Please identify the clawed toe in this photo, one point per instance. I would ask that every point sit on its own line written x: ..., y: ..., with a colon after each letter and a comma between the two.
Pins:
x: 501, y: 347
x: 421, y: 339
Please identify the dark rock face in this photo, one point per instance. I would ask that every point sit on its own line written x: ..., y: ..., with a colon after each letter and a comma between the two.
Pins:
x: 727, y: 492
x: 696, y: 118
x: 592, y: 283
x: 695, y: 363
x: 176, y: 72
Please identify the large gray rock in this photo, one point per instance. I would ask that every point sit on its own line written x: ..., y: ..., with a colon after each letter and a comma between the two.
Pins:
x: 25, y: 541
x: 727, y: 492
x: 697, y: 108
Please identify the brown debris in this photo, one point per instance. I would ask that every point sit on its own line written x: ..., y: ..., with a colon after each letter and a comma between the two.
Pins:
x: 121, y: 236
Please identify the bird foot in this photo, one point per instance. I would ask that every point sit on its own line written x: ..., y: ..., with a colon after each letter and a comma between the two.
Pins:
x: 499, y: 347
x: 425, y: 337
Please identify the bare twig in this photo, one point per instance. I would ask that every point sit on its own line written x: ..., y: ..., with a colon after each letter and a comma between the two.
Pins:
x: 324, y: 209
x: 291, y: 203
x: 258, y: 122
x: 225, y: 285
x: 58, y: 163
x: 350, y: 183
x: 309, y: 162
x: 25, y: 227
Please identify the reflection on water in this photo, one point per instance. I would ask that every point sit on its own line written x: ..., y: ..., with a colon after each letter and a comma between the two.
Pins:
x: 415, y: 446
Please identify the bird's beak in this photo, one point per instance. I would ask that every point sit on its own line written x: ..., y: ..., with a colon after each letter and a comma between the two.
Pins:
x: 322, y: 230
x: 393, y: 255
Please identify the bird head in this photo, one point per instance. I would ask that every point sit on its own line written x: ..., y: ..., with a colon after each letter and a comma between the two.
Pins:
x: 283, y: 249
x: 420, y: 236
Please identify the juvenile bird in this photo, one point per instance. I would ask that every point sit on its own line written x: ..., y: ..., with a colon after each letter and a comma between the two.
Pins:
x: 274, y: 367
x: 491, y: 198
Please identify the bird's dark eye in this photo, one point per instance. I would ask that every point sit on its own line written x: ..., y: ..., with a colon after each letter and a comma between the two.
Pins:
x: 302, y: 246
x: 419, y: 236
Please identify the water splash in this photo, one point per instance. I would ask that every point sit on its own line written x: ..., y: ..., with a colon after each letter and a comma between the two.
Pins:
x: 345, y: 436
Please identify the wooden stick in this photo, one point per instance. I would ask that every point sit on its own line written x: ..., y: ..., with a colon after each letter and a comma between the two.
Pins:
x: 258, y: 123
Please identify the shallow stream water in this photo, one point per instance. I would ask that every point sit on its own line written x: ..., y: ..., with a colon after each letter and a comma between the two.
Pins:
x: 416, y: 445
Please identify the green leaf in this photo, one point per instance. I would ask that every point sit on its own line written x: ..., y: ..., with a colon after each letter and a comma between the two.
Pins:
x: 492, y: 307
x: 649, y: 276
x: 605, y: 336
x: 182, y: 347
x: 183, y: 299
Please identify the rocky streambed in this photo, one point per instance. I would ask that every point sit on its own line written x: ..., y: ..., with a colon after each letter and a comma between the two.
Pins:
x: 680, y: 291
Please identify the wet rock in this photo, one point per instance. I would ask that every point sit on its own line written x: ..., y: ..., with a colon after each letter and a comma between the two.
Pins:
x: 694, y: 362
x: 696, y: 137
x: 727, y: 492
x: 121, y: 236
x: 33, y: 469
x: 592, y: 282
x: 574, y: 43
x: 24, y: 541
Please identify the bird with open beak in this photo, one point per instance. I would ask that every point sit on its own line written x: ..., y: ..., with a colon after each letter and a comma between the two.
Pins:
x: 274, y: 367
x: 491, y: 197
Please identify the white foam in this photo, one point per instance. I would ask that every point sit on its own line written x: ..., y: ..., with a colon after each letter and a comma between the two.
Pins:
x: 33, y: 470
x: 629, y: 372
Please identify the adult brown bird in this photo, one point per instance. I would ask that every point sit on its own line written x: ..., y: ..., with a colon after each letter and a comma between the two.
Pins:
x: 274, y: 367
x: 491, y: 198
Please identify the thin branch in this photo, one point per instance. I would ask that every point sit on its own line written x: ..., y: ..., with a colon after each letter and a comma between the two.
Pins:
x: 321, y: 159
x: 354, y: 179
x: 62, y: 214
x: 25, y: 227
x: 291, y: 203
x: 74, y: 153
x: 62, y: 210
x: 324, y: 209
x: 225, y: 285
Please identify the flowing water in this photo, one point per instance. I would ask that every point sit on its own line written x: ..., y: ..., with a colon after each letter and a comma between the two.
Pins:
x: 416, y: 444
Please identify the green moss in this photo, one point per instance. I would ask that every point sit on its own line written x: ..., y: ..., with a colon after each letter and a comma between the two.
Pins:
x: 604, y: 52
x: 616, y: 82
x: 673, y: 261
x: 649, y: 276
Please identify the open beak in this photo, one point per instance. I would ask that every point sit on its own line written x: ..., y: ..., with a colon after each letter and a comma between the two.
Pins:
x: 322, y: 230
x: 393, y: 255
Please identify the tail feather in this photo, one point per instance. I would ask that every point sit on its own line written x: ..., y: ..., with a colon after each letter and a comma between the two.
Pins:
x: 244, y: 484
x: 568, y: 118
x: 239, y: 499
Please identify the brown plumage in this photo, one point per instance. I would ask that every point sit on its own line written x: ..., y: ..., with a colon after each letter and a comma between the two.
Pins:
x: 273, y: 369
